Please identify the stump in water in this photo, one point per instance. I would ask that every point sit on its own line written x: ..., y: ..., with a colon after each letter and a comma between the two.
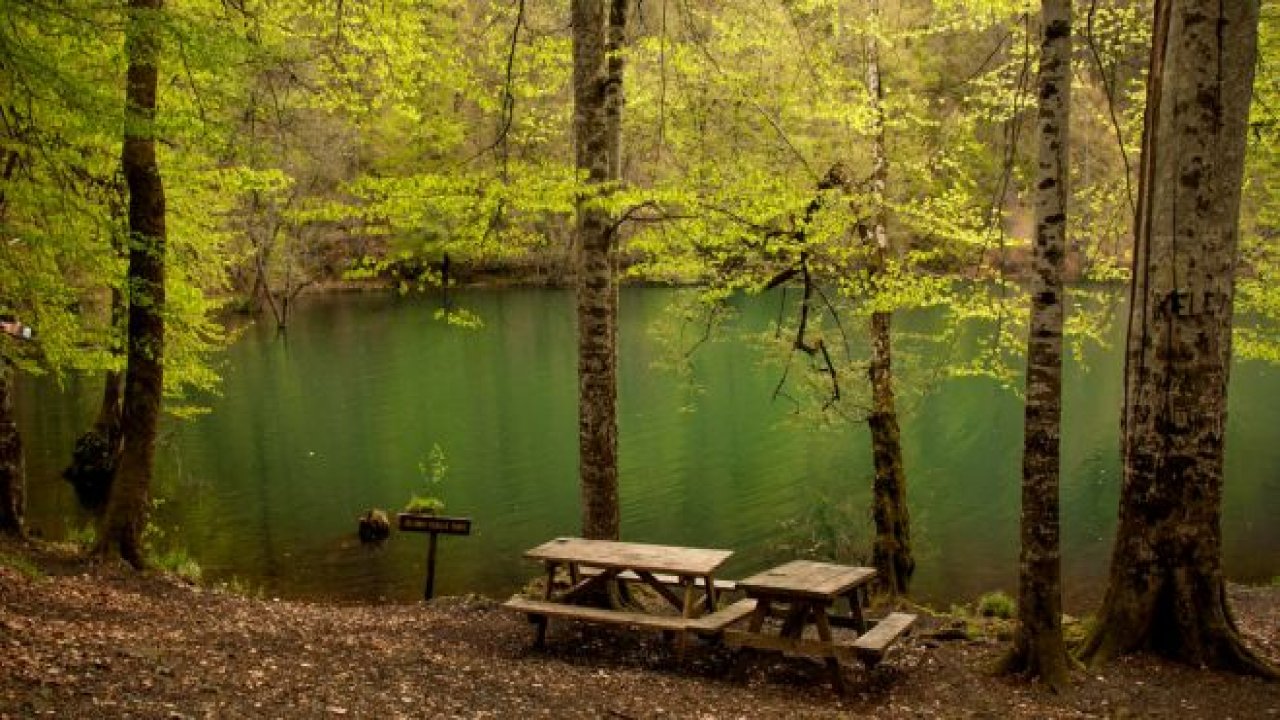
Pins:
x: 374, y: 526
x: 93, y: 466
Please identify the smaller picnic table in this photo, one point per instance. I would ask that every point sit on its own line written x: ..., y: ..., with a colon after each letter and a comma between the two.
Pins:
x: 808, y: 590
x: 594, y: 563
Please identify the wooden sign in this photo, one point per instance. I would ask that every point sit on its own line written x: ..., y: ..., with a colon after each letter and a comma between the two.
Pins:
x: 435, y: 525
x: 413, y: 522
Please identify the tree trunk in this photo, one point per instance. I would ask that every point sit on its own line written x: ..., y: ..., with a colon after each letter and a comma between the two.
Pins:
x: 97, y: 451
x: 891, y: 551
x: 1038, y: 649
x: 13, y: 478
x: 1166, y: 590
x: 599, y: 28
x: 125, y: 518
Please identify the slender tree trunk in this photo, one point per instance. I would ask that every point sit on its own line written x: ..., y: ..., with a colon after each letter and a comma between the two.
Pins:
x: 1038, y: 649
x: 13, y: 478
x: 891, y: 551
x: 1166, y: 590
x: 125, y: 518
x: 599, y: 28
x: 97, y: 451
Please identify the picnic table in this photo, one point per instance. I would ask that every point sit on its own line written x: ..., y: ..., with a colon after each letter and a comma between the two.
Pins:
x: 803, y: 593
x: 593, y: 564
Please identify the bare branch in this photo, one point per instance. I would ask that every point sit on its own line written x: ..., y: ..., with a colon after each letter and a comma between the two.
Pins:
x: 1108, y: 86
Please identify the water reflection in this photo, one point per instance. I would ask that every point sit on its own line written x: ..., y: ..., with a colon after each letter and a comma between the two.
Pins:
x: 311, y: 430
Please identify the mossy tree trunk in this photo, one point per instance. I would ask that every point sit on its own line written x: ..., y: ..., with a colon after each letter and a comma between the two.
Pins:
x: 125, y: 518
x: 97, y: 452
x: 1166, y: 591
x: 891, y: 551
x: 599, y: 30
x: 1038, y: 648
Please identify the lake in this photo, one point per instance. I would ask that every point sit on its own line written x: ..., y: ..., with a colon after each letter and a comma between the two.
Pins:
x: 314, y: 427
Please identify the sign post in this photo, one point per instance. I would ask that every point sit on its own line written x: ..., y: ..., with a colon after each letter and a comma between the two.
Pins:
x: 435, y: 525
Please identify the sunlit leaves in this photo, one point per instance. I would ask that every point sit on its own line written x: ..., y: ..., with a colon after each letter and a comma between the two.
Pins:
x: 1258, y: 291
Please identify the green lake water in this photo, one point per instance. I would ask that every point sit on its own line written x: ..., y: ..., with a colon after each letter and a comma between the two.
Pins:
x: 311, y: 429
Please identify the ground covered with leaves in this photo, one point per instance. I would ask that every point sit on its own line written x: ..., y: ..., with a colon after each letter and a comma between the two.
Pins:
x: 84, y: 640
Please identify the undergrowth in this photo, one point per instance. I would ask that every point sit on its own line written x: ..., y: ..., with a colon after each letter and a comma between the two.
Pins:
x: 21, y: 564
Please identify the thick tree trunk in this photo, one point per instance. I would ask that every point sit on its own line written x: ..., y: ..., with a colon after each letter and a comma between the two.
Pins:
x: 13, y: 479
x: 125, y: 518
x: 599, y: 28
x: 1166, y: 590
x: 1038, y: 649
x: 891, y: 551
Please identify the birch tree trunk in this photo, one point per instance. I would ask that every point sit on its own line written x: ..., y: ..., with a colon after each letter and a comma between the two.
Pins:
x: 1166, y: 590
x: 599, y: 30
x: 13, y: 479
x: 1038, y: 648
x: 891, y: 551
x: 126, y: 514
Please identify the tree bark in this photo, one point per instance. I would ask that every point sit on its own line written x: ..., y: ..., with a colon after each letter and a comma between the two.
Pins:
x: 126, y: 514
x: 891, y: 551
x: 1038, y: 648
x: 599, y: 29
x: 97, y: 451
x: 13, y: 478
x: 1166, y: 591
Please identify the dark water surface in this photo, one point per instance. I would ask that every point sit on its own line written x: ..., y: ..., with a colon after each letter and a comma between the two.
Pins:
x: 312, y: 429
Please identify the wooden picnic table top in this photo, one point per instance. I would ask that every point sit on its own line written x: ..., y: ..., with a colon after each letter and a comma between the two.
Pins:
x: 631, y: 556
x: 807, y: 579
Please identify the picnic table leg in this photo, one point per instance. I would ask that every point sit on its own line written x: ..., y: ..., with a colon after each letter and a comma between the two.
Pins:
x: 689, y: 596
x: 758, y: 615
x: 797, y: 616
x: 824, y: 634
x: 710, y: 584
x: 540, y: 638
x: 855, y: 597
x: 689, y: 610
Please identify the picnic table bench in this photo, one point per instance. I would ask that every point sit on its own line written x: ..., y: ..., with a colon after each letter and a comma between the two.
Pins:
x: 803, y: 593
x: 592, y: 564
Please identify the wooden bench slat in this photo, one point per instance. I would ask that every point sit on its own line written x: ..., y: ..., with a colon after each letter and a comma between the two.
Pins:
x: 664, y: 578
x: 724, y: 617
x: 873, y: 643
x: 592, y: 614
x: 802, y: 647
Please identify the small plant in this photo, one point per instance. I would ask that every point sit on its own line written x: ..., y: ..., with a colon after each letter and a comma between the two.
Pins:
x: 178, y: 562
x: 432, y: 469
x: 174, y: 559
x: 997, y: 605
x: 242, y: 588
x: 84, y: 537
x: 1275, y: 581
x: 422, y: 504
x: 827, y: 530
x: 21, y: 564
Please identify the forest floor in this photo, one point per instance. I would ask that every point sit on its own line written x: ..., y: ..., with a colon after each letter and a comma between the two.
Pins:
x: 80, y: 640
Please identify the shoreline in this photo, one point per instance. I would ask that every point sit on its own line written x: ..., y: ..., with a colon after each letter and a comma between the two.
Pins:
x: 96, y: 640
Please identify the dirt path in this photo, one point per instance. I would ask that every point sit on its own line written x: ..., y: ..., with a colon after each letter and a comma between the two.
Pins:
x: 78, y: 641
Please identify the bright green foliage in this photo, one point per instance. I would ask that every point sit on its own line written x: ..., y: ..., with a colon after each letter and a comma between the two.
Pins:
x: 432, y: 469
x: 1259, y: 285
x: 997, y: 605
x: 63, y: 199
x: 309, y: 141
x: 59, y: 184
